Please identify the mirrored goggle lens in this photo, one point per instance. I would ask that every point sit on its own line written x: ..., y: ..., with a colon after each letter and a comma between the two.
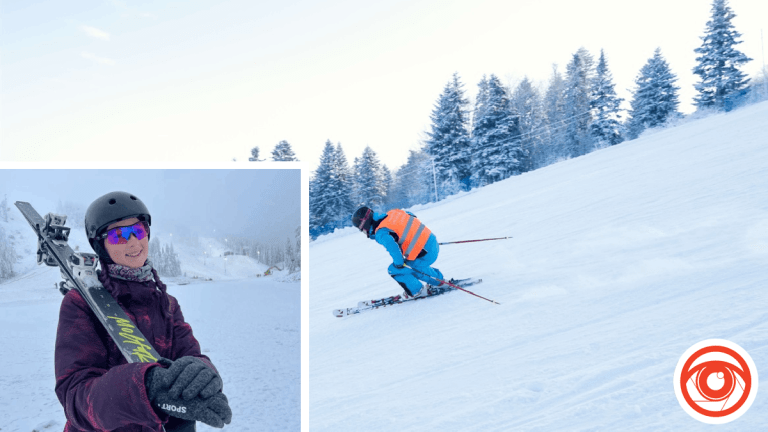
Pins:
x: 121, y: 235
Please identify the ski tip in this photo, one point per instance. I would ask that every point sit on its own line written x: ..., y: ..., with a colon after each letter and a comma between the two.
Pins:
x: 338, y: 313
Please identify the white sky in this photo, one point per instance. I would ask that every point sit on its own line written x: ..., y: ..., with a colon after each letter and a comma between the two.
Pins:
x: 207, y: 81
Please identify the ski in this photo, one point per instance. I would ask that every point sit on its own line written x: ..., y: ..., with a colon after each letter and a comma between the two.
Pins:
x: 368, y: 305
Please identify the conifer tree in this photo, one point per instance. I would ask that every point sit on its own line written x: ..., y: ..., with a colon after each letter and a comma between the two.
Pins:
x: 387, y: 175
x: 284, y: 153
x: 4, y: 209
x: 448, y: 143
x: 526, y: 105
x: 330, y: 203
x: 721, y: 82
x: 254, y: 155
x: 7, y: 256
x: 554, y: 110
x: 655, y: 99
x: 576, y: 102
x: 606, y: 128
x: 758, y: 86
x: 297, y: 248
x: 481, y: 101
x: 412, y: 183
x: 370, y: 189
x: 496, y: 150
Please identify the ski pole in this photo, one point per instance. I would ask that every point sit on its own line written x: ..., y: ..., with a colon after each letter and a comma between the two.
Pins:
x: 452, y: 285
x: 470, y: 241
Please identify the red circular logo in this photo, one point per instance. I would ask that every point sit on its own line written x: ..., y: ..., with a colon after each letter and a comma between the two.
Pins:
x: 715, y: 381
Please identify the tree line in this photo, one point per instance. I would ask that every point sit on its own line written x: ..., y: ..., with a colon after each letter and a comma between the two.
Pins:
x: 509, y: 131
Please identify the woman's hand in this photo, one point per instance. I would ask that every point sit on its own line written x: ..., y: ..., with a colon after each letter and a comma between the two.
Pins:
x: 189, y: 390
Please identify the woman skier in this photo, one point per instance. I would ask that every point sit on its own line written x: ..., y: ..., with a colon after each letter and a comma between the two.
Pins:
x: 408, y: 241
x: 98, y: 388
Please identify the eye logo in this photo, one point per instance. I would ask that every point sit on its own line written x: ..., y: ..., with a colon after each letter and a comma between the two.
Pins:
x: 715, y: 381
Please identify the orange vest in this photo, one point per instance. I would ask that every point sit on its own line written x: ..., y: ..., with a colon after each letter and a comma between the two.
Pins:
x: 412, y: 234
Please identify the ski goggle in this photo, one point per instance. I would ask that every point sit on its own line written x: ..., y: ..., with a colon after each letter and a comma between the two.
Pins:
x: 121, y: 235
x: 364, y: 220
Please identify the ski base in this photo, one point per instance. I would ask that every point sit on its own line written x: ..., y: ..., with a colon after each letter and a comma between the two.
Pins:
x: 368, y: 305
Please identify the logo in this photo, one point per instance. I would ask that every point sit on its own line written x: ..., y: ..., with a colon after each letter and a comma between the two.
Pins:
x: 715, y: 381
x: 173, y: 408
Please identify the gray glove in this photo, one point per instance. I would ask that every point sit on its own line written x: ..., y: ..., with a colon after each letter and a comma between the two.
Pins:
x: 212, y: 410
x: 189, y: 377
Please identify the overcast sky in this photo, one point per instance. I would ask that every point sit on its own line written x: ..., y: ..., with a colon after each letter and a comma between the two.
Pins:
x: 208, y: 80
x: 263, y: 205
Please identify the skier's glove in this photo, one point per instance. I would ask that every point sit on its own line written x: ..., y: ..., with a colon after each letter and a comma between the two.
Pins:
x: 213, y: 410
x: 188, y: 377
x: 399, y: 266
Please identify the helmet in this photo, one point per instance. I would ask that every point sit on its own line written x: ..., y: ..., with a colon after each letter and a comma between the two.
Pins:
x: 110, y: 208
x: 362, y: 219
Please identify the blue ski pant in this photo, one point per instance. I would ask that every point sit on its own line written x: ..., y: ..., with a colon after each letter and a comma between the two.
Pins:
x: 410, y: 279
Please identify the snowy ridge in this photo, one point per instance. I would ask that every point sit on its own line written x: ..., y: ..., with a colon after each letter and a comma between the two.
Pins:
x: 621, y: 260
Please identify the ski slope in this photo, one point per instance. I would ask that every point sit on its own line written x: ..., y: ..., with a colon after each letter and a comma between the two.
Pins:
x: 621, y: 260
x: 249, y: 327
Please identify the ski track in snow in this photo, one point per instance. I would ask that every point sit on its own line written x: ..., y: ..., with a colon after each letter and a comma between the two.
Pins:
x: 249, y: 328
x: 621, y: 260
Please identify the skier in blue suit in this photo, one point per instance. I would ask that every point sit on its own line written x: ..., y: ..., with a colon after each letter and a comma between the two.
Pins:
x: 408, y: 241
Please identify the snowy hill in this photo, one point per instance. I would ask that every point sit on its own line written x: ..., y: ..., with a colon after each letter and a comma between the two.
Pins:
x: 205, y: 258
x: 621, y: 260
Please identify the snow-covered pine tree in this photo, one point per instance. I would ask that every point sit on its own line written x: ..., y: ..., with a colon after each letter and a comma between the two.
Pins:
x: 387, y: 176
x: 655, y: 98
x: 448, y: 143
x: 330, y: 203
x: 606, y: 128
x: 345, y: 176
x: 413, y: 182
x: 576, y: 102
x: 283, y: 152
x: 526, y: 104
x: 290, y: 256
x: 7, y: 256
x: 758, y: 86
x: 254, y: 155
x: 4, y: 209
x: 370, y: 189
x: 173, y: 265
x: 297, y: 246
x: 721, y: 82
x: 554, y: 110
x: 156, y: 253
x: 496, y: 150
x: 481, y: 101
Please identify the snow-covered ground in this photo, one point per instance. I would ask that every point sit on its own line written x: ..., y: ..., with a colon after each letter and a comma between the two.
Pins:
x: 248, y: 326
x: 621, y: 260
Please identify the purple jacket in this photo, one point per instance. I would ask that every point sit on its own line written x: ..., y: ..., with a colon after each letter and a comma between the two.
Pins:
x: 98, y: 388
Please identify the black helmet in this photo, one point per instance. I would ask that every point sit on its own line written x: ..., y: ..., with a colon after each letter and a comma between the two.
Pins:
x: 110, y: 208
x: 362, y: 219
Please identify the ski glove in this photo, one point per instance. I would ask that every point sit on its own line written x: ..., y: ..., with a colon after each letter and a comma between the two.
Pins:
x: 213, y: 410
x: 399, y: 266
x: 189, y: 377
